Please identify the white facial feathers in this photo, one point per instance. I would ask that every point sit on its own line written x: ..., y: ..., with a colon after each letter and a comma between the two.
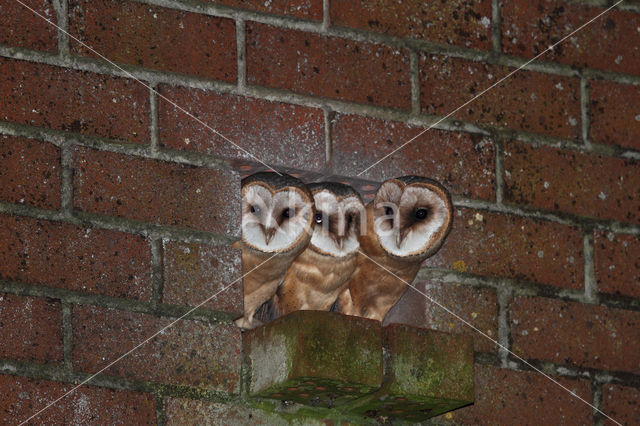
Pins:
x: 336, y: 223
x: 274, y: 221
x: 412, y: 219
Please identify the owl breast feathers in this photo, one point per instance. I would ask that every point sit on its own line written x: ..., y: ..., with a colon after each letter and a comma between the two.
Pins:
x: 318, y: 246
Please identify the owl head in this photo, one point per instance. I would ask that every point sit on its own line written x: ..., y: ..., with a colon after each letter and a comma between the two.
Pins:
x: 412, y: 216
x: 277, y: 212
x: 339, y: 210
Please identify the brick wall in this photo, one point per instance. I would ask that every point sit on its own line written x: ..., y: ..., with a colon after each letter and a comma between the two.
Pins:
x: 117, y: 210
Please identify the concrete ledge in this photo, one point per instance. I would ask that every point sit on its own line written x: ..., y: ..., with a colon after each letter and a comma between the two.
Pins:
x: 358, y: 367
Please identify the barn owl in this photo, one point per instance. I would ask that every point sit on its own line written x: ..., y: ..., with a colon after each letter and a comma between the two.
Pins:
x: 277, y: 217
x: 316, y: 278
x: 407, y: 222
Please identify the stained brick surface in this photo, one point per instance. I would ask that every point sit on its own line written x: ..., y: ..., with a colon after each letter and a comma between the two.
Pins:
x: 610, y: 43
x: 156, y: 192
x: 529, y: 101
x: 496, y: 244
x: 23, y: 397
x: 463, y: 163
x: 79, y: 258
x: 194, y: 273
x: 305, y: 9
x: 461, y: 22
x: 188, y: 353
x: 327, y: 66
x: 273, y: 132
x: 23, y: 28
x: 74, y: 101
x: 621, y: 403
x: 617, y: 263
x: 515, y: 397
x: 155, y: 37
x: 477, y: 306
x: 614, y: 114
x: 30, y: 328
x: 576, y: 334
x: 573, y: 182
x: 30, y: 172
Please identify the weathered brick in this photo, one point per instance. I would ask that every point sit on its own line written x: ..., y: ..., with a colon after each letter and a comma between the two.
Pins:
x: 611, y: 42
x: 74, y: 101
x: 276, y: 133
x: 478, y: 306
x: 327, y: 66
x: 464, y: 163
x: 617, y: 263
x: 305, y: 9
x: 517, y: 397
x: 613, y: 108
x: 496, y: 244
x: 463, y: 22
x: 576, y: 334
x: 527, y: 100
x: 155, y: 191
x: 30, y: 328
x: 155, y: 37
x: 188, y: 353
x: 23, y: 28
x: 30, y: 172
x: 194, y: 272
x: 573, y: 182
x: 23, y: 397
x: 75, y: 258
x: 186, y: 412
x: 621, y: 403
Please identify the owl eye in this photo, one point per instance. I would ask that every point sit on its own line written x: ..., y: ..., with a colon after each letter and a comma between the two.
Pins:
x: 350, y: 219
x: 388, y: 211
x: 318, y: 217
x: 255, y: 210
x: 421, y: 214
x: 287, y: 213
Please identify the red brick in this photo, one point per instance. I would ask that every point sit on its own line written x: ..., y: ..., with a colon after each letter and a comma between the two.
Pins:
x: 194, y: 272
x: 30, y: 172
x: 500, y: 245
x: 276, y: 133
x: 155, y: 37
x: 305, y: 9
x: 186, y: 412
x: 517, y: 397
x: 527, y: 100
x: 30, y: 328
x: 23, y: 397
x: 576, y: 334
x: 187, y: 353
x: 327, y: 66
x: 617, y: 263
x: 156, y: 191
x: 23, y: 28
x: 464, y: 163
x: 75, y: 258
x: 621, y: 403
x: 613, y: 108
x: 75, y: 101
x: 463, y: 22
x: 612, y: 42
x: 573, y: 182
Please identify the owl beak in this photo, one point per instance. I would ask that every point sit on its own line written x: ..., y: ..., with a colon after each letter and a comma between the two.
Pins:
x: 340, y: 242
x: 268, y: 234
x: 400, y: 237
